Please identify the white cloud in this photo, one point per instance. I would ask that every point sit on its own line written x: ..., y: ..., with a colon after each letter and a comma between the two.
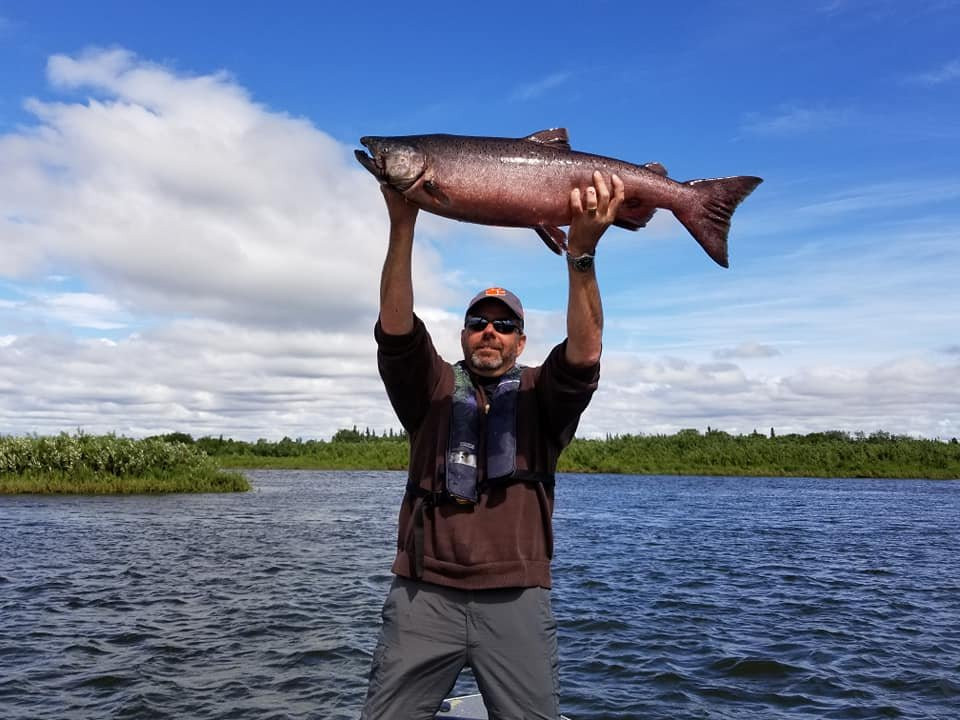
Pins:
x: 538, y: 88
x: 83, y: 310
x: 176, y: 194
x: 250, y: 239
x: 794, y: 120
x: 746, y: 350
x: 884, y: 196
x: 910, y: 395
x: 948, y: 72
x: 197, y: 376
x: 879, y: 10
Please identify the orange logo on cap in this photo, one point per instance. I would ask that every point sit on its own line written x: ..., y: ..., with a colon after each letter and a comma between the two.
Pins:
x: 495, y: 291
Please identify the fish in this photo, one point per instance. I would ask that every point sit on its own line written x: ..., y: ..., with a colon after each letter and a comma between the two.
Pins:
x: 526, y: 182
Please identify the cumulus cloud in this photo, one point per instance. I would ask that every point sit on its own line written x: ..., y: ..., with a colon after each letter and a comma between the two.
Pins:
x: 179, y: 194
x: 199, y: 376
x: 909, y: 396
x: 228, y: 256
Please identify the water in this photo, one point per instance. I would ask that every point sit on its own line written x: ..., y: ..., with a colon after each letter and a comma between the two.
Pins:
x: 677, y: 598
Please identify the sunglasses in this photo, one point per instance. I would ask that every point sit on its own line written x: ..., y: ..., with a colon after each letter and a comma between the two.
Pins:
x: 505, y: 326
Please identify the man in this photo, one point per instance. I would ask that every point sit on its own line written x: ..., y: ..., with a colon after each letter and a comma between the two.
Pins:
x: 475, y: 540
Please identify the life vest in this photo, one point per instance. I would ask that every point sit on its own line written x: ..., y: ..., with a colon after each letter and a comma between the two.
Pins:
x: 499, y: 444
x: 467, y: 418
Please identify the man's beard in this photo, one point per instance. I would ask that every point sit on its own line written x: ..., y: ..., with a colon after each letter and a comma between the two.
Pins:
x: 489, y: 362
x: 496, y: 358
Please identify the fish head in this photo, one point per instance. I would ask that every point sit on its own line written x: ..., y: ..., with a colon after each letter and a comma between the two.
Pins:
x: 393, y: 160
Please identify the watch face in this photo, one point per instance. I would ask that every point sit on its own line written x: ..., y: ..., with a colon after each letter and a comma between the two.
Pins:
x: 584, y: 262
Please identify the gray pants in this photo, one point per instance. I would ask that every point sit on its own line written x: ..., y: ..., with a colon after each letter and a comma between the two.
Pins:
x: 430, y: 633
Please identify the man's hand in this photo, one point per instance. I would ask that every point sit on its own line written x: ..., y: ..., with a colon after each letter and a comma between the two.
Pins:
x: 402, y: 212
x: 592, y: 213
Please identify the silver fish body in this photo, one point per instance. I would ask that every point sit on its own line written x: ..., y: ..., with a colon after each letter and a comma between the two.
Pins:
x: 526, y: 182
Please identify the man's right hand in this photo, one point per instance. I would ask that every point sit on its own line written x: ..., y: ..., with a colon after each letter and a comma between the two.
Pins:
x: 402, y: 212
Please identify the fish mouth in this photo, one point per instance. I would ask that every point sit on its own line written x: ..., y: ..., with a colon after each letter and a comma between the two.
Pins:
x: 368, y: 161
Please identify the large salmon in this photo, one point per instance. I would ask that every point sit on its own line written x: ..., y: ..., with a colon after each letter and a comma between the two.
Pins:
x: 526, y: 182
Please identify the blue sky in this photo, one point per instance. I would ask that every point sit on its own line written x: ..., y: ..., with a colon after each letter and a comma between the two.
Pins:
x: 186, y: 242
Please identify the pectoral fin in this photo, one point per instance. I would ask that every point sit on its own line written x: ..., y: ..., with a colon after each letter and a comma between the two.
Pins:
x: 553, y: 237
x: 435, y: 192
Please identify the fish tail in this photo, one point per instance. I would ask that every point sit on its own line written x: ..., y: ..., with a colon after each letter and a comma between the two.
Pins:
x: 707, y: 214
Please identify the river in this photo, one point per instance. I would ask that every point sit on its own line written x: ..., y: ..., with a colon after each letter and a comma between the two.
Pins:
x: 677, y: 598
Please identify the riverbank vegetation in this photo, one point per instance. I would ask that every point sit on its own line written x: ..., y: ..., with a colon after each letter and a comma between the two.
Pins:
x: 179, y: 463
x: 828, y: 454
x: 688, y: 452
x: 107, y: 464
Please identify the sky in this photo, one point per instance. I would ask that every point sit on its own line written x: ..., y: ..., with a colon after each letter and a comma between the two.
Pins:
x: 187, y: 243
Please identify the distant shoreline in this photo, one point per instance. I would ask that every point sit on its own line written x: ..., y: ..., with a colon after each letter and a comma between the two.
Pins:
x: 689, y: 452
x: 177, y: 463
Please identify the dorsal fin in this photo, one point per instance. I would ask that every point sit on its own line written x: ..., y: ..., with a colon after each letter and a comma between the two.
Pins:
x: 655, y: 167
x: 557, y: 137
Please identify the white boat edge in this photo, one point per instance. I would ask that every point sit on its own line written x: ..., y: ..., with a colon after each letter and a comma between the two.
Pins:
x: 467, y: 707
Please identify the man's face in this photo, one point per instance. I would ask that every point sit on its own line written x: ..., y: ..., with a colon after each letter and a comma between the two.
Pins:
x: 488, y: 352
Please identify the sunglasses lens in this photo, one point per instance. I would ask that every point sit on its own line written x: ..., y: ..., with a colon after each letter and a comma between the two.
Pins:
x: 504, y: 326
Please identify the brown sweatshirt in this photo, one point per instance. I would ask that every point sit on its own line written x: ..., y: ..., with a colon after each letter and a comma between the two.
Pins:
x: 506, y: 538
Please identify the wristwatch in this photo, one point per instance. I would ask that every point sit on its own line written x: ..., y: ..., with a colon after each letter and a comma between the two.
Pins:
x: 580, y: 263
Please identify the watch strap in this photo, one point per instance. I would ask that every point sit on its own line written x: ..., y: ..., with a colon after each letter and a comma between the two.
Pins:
x: 582, y: 262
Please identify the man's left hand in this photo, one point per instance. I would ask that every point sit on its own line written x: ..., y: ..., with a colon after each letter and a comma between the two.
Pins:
x: 592, y: 213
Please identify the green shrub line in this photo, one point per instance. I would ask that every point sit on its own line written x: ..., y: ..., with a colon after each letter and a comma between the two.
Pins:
x: 831, y: 454
x: 688, y: 452
x: 109, y: 464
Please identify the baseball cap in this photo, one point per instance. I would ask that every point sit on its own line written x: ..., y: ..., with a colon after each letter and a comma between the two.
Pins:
x: 504, y: 296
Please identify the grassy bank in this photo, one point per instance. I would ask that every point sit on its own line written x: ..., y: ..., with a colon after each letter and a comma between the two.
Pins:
x: 107, y: 464
x: 689, y: 452
x: 178, y: 463
x: 830, y: 454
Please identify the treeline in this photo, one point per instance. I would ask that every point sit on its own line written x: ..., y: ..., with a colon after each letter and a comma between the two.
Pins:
x: 346, y: 450
x: 108, y: 464
x: 826, y: 454
x: 688, y: 452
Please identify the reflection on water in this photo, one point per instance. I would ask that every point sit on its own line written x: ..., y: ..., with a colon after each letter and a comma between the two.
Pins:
x: 677, y: 598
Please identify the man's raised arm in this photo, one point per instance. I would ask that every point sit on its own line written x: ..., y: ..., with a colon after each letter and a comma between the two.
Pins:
x: 396, y: 280
x: 592, y: 214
